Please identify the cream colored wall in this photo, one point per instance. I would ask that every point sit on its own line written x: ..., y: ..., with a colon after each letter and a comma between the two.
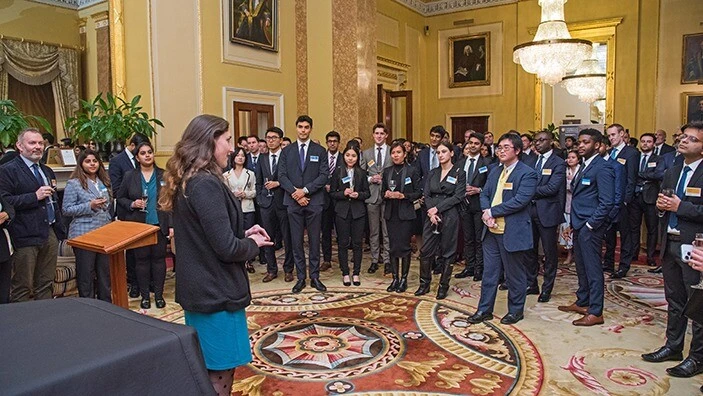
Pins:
x: 35, y: 21
x: 678, y: 17
x: 90, y: 51
x: 320, y: 68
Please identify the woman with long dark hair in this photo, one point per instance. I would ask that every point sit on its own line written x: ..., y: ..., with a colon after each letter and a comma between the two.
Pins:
x: 212, y: 284
x: 87, y: 199
x: 242, y: 182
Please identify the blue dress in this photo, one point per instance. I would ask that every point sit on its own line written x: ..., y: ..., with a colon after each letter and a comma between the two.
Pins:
x: 223, y: 336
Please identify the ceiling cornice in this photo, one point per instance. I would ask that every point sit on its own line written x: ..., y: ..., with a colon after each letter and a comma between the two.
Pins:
x: 438, y: 7
x: 70, y: 4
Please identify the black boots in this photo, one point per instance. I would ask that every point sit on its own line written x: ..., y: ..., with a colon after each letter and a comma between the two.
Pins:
x: 444, y: 281
x: 393, y: 270
x: 405, y: 268
x: 425, y: 277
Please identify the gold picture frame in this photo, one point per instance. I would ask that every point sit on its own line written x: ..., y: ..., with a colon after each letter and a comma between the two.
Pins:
x: 470, y: 60
x: 692, y: 58
x: 254, y: 24
x: 691, y: 107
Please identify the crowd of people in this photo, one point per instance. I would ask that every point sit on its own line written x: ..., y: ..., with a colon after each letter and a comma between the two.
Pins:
x: 502, y: 205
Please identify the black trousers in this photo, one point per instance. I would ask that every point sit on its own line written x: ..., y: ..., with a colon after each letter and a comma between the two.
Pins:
x: 678, y: 278
x: 472, y: 225
x: 328, y: 220
x: 348, y: 229
x: 92, y: 266
x: 548, y: 236
x: 151, y: 266
x: 638, y: 209
x: 442, y: 245
x: 5, y: 280
x: 623, y: 226
x: 303, y: 218
x: 276, y: 220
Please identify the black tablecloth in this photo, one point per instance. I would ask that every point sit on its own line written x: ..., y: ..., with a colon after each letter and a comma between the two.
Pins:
x: 77, y: 346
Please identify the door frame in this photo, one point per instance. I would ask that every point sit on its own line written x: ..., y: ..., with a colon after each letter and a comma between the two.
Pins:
x: 275, y: 99
x: 448, y: 118
x: 384, y: 108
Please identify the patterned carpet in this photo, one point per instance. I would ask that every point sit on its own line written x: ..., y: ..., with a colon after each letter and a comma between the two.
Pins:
x: 364, y: 341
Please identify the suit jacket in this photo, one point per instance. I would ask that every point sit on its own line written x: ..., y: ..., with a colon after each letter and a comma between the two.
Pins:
x: 670, y: 160
x: 550, y: 195
x: 4, y: 244
x: 313, y: 177
x: 131, y: 190
x: 18, y: 186
x: 422, y: 164
x: 8, y: 156
x: 629, y: 158
x: 328, y: 200
x: 76, y: 204
x: 250, y: 162
x: 665, y: 148
x: 119, y: 165
x: 343, y: 204
x: 650, y: 178
x: 372, y: 168
x: 620, y: 188
x: 263, y: 171
x: 447, y: 193
x: 528, y: 158
x: 690, y: 212
x: 478, y: 178
x: 593, y: 194
x: 412, y: 191
x: 515, y: 207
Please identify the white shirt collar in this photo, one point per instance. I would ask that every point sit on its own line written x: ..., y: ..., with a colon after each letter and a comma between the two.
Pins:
x: 545, y: 156
x: 28, y: 162
x: 620, y: 147
x: 510, y: 168
x: 693, y: 166
x: 588, y: 161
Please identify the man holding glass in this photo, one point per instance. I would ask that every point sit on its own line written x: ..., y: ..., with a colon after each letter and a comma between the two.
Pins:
x: 681, y: 203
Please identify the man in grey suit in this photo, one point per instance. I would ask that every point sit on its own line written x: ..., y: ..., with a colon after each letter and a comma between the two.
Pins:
x: 374, y: 160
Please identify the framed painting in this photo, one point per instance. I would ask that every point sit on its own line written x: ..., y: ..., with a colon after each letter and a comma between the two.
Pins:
x: 692, y: 104
x: 254, y: 23
x: 469, y: 60
x: 692, y: 59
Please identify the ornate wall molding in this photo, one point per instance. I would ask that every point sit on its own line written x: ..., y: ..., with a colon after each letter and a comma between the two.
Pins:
x: 70, y: 4
x: 438, y: 7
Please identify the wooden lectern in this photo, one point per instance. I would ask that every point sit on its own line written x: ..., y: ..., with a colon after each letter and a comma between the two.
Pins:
x: 112, y: 239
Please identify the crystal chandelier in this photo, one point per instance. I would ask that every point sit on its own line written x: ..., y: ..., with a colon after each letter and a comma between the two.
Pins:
x: 588, y: 82
x: 552, y: 53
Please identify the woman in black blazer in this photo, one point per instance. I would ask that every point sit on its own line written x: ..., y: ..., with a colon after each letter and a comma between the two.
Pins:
x: 349, y: 187
x: 400, y: 213
x: 151, y: 260
x: 7, y: 213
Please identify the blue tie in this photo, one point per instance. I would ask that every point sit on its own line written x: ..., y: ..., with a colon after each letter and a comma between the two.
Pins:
x: 680, y: 189
x: 50, y: 214
x: 302, y: 157
x: 274, y: 164
x: 614, y: 153
x: 539, y: 163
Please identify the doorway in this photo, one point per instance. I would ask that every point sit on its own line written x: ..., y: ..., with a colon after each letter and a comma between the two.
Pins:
x: 463, y: 123
x: 252, y: 119
x: 395, y: 110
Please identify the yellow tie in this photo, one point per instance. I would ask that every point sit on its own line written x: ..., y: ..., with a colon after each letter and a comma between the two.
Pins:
x: 497, y: 200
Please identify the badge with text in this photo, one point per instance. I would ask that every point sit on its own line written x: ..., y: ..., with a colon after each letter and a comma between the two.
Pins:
x: 451, y: 179
x: 651, y: 164
x: 622, y: 161
x: 370, y: 163
x: 508, y: 186
x: 346, y: 179
x: 314, y: 158
x: 546, y: 172
x: 482, y: 169
x: 586, y: 182
x: 693, y: 192
x: 408, y: 180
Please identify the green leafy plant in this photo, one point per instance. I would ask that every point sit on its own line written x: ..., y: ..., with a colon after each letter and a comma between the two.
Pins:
x: 551, y: 128
x: 12, y: 122
x: 111, y: 118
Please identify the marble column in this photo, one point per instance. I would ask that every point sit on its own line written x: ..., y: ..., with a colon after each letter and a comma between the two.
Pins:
x: 102, y: 34
x: 301, y: 59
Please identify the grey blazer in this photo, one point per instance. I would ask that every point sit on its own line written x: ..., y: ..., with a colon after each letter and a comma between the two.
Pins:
x: 76, y: 204
x: 368, y: 163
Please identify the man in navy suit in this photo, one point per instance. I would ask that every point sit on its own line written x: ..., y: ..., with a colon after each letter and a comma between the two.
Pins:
x: 592, y: 199
x: 27, y: 186
x: 269, y: 197
x: 683, y: 219
x: 303, y: 174
x: 547, y: 212
x: 427, y: 157
x: 253, y: 155
x: 505, y: 201
x: 628, y: 157
x: 333, y: 160
x: 660, y: 146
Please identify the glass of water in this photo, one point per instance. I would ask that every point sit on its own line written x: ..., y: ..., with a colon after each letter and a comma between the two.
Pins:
x: 391, y: 184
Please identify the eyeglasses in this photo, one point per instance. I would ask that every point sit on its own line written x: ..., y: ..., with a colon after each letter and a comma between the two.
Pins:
x: 690, y: 138
x: 274, y: 137
x: 504, y: 147
x: 541, y: 140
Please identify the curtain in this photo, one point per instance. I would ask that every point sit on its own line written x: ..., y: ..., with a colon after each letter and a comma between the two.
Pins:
x: 36, y: 100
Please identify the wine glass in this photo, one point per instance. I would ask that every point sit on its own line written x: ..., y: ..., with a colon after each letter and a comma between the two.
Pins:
x: 145, y: 198
x: 437, y: 228
x: 391, y: 184
x: 268, y: 192
x: 53, y: 186
x: 667, y: 192
x: 698, y: 245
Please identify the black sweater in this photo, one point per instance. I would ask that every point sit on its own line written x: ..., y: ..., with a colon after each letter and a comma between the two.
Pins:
x: 209, y: 237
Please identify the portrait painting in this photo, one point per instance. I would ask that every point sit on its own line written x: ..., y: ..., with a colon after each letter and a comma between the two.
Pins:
x: 254, y: 23
x: 469, y: 60
x: 692, y: 106
x: 692, y: 60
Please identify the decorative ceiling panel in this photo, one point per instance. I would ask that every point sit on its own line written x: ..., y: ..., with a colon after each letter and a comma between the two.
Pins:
x: 70, y: 4
x: 438, y: 7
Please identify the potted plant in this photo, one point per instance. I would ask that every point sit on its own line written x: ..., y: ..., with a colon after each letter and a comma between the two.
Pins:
x: 111, y: 119
x: 12, y: 122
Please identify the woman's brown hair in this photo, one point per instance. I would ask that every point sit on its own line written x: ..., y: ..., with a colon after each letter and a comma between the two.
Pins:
x: 194, y: 153
x: 79, y: 173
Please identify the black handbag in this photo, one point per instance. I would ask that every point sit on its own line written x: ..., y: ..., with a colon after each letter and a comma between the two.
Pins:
x: 694, y: 306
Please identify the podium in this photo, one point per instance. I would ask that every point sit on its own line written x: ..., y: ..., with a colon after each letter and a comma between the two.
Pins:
x: 112, y: 239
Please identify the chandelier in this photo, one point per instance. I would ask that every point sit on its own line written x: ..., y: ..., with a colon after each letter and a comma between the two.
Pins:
x: 552, y: 53
x: 588, y: 82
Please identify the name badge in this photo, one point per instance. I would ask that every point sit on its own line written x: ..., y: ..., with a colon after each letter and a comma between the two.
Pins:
x: 508, y: 186
x: 651, y: 164
x: 451, y: 179
x: 546, y: 172
x: 482, y: 169
x: 693, y: 192
x: 408, y: 181
x: 314, y: 158
x: 370, y: 163
x: 622, y: 161
x: 346, y: 179
x: 586, y: 182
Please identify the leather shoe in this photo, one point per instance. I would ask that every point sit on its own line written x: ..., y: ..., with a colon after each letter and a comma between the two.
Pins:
x: 686, y: 369
x: 588, y: 320
x: 317, y: 284
x: 532, y: 290
x: 373, y: 268
x: 619, y: 274
x: 299, y: 286
x: 467, y: 272
x: 573, y: 308
x: 269, y: 277
x: 479, y: 317
x: 655, y: 270
x: 134, y: 291
x: 662, y: 354
x: 325, y: 266
x: 288, y: 277
x: 146, y: 303
x: 502, y: 286
x: 160, y: 303
x: 511, y: 318
x: 544, y: 297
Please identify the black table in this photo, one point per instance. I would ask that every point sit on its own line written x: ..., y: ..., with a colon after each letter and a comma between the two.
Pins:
x: 78, y: 346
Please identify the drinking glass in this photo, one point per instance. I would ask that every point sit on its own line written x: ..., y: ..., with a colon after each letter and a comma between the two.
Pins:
x: 437, y: 228
x: 145, y: 198
x: 698, y: 245
x: 268, y: 192
x: 391, y: 184
x: 53, y: 185
x: 667, y: 192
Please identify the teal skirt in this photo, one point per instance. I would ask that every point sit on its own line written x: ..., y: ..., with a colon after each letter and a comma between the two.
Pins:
x: 223, y: 336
